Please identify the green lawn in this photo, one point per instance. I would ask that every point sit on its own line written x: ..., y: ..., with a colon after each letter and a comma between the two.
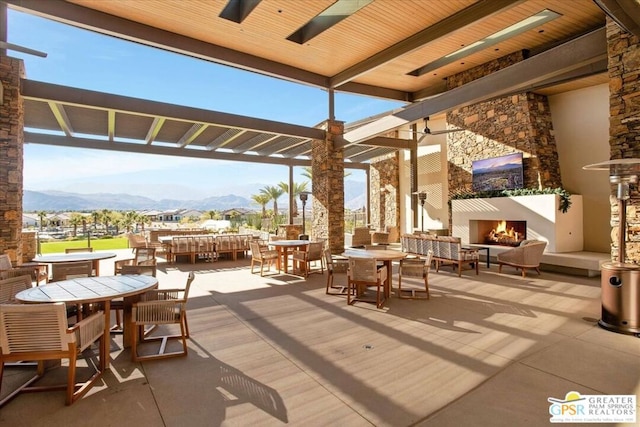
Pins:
x: 96, y: 244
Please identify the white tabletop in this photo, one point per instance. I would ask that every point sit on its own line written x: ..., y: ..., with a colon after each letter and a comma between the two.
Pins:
x: 74, y: 256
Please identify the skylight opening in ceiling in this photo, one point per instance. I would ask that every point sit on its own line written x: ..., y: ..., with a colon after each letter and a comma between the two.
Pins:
x: 238, y: 10
x: 527, y: 24
x: 335, y: 13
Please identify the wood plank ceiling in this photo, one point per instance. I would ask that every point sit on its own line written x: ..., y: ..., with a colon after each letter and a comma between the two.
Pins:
x: 372, y: 51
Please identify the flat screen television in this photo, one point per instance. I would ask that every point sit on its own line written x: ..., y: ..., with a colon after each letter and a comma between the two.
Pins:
x: 498, y: 173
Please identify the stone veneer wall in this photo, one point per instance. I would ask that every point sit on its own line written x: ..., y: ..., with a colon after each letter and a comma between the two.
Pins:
x: 624, y: 128
x: 518, y: 123
x: 327, y: 176
x: 29, y: 246
x: 11, y: 158
x: 384, y: 177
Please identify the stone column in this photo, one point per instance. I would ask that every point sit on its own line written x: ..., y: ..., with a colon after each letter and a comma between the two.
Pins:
x: 510, y: 124
x: 385, y: 196
x: 327, y: 184
x: 11, y: 158
x: 624, y: 129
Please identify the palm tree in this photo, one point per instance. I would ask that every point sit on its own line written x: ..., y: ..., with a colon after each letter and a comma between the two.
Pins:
x: 42, y: 215
x: 96, y: 216
x: 262, y: 200
x: 297, y: 189
x: 273, y: 191
x: 129, y: 219
x: 106, y: 215
x: 142, y: 220
x: 75, y: 220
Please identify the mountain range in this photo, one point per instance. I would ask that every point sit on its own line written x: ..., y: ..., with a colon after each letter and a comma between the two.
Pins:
x: 60, y: 201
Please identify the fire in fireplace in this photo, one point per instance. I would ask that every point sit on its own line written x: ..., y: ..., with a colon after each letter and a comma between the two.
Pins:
x: 507, y: 233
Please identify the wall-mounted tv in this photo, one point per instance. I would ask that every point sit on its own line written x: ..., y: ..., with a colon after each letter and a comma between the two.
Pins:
x: 498, y: 173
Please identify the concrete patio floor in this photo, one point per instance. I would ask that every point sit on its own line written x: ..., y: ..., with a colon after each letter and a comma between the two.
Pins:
x: 486, y: 350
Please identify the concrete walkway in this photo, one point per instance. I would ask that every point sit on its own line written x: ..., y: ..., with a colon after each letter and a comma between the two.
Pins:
x: 486, y: 350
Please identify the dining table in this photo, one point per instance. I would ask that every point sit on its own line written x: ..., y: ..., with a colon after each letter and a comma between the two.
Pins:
x: 97, y: 289
x: 94, y: 257
x: 386, y: 256
x: 284, y: 247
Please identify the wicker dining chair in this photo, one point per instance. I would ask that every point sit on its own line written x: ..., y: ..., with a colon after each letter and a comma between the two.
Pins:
x: 161, y: 307
x: 334, y: 266
x: 365, y: 273
x: 415, y: 267
x: 262, y: 255
x: 39, y: 332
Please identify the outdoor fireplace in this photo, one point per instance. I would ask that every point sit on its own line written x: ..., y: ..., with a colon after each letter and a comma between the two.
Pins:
x: 501, y: 232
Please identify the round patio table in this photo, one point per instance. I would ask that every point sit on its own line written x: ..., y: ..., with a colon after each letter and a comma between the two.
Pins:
x: 384, y: 255
x: 102, y: 289
x: 95, y: 257
x: 283, y: 247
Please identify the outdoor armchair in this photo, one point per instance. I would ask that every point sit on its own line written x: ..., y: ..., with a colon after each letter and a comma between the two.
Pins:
x: 262, y: 255
x: 39, y: 332
x: 161, y: 307
x: 304, y: 257
x: 364, y: 273
x: 527, y: 255
x: 418, y: 268
x: 335, y: 266
x: 35, y: 270
x: 143, y: 256
x: 10, y: 286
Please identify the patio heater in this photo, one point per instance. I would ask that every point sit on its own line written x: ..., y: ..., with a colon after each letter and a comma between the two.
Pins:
x: 303, y: 198
x: 620, y: 281
x: 422, y: 196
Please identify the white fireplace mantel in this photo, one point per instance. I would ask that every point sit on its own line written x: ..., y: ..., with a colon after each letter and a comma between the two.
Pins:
x: 561, y: 231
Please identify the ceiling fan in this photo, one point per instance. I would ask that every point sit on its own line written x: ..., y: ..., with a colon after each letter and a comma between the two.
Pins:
x: 426, y: 131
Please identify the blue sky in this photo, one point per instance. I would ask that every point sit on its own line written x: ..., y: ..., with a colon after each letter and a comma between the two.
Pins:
x: 92, y: 61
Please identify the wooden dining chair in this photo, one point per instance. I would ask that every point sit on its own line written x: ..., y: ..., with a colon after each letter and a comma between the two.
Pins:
x: 415, y: 267
x: 117, y: 304
x: 39, y: 332
x: 365, y: 273
x: 71, y: 270
x: 339, y: 265
x: 262, y: 255
x: 143, y: 256
x: 38, y: 272
x: 161, y: 307
x: 77, y: 250
x: 10, y: 286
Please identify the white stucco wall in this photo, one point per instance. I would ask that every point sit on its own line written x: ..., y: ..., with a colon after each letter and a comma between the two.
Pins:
x: 432, y: 178
x: 581, y: 129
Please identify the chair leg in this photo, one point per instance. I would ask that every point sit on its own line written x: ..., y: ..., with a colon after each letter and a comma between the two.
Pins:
x: 71, y: 378
x: 186, y: 325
